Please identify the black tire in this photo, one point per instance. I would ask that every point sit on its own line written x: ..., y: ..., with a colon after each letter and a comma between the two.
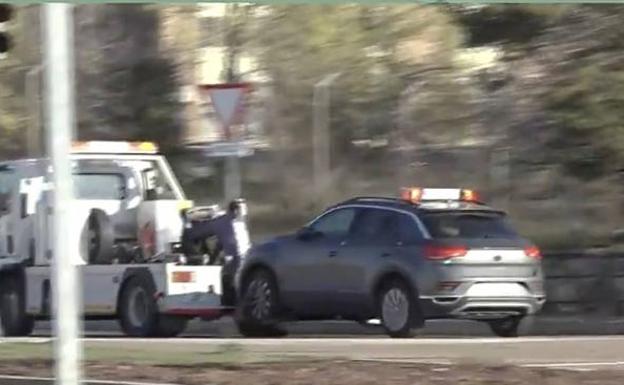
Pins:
x: 171, y: 326
x: 138, y: 311
x: 100, y: 238
x: 15, y: 321
x: 258, y: 311
x: 506, y: 327
x: 402, y: 319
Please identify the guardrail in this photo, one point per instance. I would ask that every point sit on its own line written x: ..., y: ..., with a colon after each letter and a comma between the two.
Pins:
x: 582, y: 283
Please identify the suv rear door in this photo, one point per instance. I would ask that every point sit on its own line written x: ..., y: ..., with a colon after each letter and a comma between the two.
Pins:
x: 379, y: 237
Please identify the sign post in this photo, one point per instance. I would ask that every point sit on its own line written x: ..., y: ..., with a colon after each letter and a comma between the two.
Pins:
x: 228, y: 102
x: 60, y: 119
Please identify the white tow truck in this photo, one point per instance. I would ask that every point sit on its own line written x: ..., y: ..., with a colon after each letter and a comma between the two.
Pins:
x: 127, y: 228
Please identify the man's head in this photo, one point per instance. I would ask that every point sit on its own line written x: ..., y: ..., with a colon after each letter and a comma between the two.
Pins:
x: 238, y: 208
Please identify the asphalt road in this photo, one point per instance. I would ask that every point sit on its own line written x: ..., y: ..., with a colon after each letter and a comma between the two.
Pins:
x: 544, y: 343
x: 540, y: 326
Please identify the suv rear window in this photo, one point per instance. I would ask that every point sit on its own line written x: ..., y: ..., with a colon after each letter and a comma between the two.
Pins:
x: 467, y: 225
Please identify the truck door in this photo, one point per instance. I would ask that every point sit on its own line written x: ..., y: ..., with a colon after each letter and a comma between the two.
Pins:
x: 159, y: 219
x: 8, y: 192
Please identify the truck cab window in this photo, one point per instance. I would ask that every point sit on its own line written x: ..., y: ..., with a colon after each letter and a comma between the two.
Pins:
x: 156, y: 186
x: 7, y: 185
x: 99, y: 186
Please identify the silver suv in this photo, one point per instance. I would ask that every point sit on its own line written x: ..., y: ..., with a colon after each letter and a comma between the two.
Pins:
x: 434, y: 253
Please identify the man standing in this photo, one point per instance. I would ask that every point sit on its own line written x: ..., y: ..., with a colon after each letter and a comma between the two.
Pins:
x: 232, y: 234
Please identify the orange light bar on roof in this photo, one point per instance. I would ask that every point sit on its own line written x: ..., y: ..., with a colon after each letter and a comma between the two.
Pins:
x: 469, y: 196
x: 418, y: 195
x: 411, y: 194
x: 110, y: 147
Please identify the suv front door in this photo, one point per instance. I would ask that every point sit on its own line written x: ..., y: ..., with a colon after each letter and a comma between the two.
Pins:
x: 306, y: 271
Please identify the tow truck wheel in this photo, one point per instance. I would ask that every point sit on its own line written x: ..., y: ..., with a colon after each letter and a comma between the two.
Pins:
x: 256, y: 315
x: 171, y: 326
x: 15, y: 321
x: 100, y: 238
x: 138, y: 312
x: 506, y: 327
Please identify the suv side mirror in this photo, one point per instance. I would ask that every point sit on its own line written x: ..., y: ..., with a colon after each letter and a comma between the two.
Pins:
x: 308, y: 233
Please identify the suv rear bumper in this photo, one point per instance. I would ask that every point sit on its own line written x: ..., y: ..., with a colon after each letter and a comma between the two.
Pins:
x: 480, y: 308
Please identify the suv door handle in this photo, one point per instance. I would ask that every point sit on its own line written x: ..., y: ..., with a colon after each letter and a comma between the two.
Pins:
x: 333, y: 253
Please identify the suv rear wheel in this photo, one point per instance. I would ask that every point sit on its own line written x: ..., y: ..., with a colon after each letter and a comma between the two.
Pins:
x: 506, y: 327
x: 399, y: 309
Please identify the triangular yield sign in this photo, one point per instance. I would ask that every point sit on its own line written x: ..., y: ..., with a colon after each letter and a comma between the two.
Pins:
x: 226, y: 102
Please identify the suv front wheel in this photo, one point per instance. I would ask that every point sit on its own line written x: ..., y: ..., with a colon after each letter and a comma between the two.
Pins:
x: 256, y: 314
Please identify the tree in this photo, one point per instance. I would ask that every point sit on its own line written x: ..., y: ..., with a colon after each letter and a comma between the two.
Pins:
x: 127, y: 89
x: 585, y: 92
x: 376, y: 50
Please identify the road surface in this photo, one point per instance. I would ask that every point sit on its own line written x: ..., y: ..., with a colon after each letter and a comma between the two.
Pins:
x: 540, y: 326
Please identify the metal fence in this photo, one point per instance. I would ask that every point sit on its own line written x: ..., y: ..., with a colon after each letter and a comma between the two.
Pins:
x: 583, y: 283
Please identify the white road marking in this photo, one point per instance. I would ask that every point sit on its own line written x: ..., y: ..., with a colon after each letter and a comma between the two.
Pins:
x: 28, y: 340
x: 432, y: 361
x: 362, y: 341
x: 328, y: 341
x: 573, y: 364
x: 102, y: 382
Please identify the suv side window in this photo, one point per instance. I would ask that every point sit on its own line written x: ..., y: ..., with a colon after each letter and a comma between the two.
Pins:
x: 409, y: 232
x: 336, y: 223
x: 377, y: 225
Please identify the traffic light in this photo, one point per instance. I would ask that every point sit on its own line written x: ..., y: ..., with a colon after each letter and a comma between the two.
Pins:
x: 6, y: 12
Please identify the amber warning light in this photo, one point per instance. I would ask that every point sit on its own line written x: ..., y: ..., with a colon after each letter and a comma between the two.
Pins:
x: 418, y: 194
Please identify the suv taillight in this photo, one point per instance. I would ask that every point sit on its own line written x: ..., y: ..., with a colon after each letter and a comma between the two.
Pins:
x: 444, y: 252
x: 533, y: 252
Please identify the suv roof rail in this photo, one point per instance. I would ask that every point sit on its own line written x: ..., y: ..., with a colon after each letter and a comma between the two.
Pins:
x: 375, y: 199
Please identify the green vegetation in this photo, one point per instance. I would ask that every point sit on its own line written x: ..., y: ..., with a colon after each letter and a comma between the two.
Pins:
x: 545, y: 81
x: 146, y: 353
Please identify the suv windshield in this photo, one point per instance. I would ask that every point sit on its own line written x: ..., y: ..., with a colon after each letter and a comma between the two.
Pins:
x: 467, y: 225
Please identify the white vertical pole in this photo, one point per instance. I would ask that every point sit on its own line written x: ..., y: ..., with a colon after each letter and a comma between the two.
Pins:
x: 321, y: 142
x: 232, y: 177
x: 59, y: 71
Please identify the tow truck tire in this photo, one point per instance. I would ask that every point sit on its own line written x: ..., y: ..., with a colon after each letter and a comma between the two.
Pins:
x: 171, y: 326
x: 399, y: 309
x: 138, y: 311
x: 100, y: 238
x: 256, y: 315
x: 506, y: 327
x: 15, y: 321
